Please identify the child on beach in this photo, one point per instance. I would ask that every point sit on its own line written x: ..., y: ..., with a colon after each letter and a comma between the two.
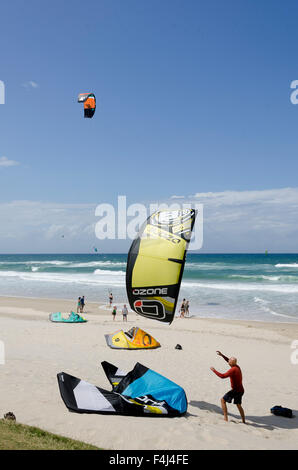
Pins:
x: 79, y: 305
x: 114, y: 312
x: 237, y: 390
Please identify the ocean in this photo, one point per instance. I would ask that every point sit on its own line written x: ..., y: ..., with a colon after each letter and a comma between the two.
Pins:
x: 233, y: 286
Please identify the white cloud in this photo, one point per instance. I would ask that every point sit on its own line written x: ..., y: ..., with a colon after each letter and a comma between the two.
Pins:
x: 5, y: 162
x: 234, y: 221
x: 249, y: 221
x: 271, y: 196
x: 30, y: 84
x: 33, y: 226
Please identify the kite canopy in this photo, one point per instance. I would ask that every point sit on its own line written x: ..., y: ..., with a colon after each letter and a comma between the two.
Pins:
x: 135, y: 338
x: 156, y: 261
x: 89, y: 101
x: 141, y: 392
x: 72, y: 318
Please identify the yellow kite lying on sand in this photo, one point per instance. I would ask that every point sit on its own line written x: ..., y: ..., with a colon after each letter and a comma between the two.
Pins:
x: 135, y: 338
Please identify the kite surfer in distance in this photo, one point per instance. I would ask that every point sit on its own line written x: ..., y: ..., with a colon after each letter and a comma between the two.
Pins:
x: 237, y: 390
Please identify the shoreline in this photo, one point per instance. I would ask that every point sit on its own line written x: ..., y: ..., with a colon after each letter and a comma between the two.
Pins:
x: 223, y: 286
x: 51, y: 305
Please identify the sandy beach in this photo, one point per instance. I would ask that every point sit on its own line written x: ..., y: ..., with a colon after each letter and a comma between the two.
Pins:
x: 36, y: 350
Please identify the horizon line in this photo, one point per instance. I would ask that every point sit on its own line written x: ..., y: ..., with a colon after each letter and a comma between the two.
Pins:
x: 189, y: 252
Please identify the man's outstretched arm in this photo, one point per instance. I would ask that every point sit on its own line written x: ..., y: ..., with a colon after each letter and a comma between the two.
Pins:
x: 222, y: 376
x: 223, y: 356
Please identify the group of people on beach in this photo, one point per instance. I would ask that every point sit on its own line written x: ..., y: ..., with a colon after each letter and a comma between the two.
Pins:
x: 124, y: 312
x: 114, y: 310
x: 184, y: 309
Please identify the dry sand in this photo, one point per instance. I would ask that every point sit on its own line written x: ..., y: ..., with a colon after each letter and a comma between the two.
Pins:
x: 36, y: 350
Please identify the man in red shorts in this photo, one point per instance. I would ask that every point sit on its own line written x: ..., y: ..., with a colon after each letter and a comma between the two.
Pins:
x: 237, y: 390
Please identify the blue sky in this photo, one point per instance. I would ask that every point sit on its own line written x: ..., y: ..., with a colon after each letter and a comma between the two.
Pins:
x: 192, y: 97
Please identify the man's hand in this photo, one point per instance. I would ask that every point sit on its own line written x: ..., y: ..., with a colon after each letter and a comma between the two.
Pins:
x: 222, y: 355
x: 212, y: 368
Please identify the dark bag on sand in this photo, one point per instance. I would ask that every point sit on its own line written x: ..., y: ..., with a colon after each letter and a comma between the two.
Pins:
x: 10, y: 416
x: 280, y: 411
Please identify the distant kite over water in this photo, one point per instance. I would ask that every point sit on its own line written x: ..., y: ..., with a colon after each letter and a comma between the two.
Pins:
x: 89, y: 101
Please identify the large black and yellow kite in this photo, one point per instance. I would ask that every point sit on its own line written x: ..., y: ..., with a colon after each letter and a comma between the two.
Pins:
x: 156, y: 261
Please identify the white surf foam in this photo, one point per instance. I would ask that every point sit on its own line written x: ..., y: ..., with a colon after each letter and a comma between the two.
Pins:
x: 264, y: 306
x: 103, y: 277
x: 283, y: 288
x: 290, y: 265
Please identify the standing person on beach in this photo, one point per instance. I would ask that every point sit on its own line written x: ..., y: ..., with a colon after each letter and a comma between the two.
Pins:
x: 182, y: 309
x: 111, y: 298
x: 187, y: 308
x: 124, y: 312
x: 114, y: 312
x: 79, y: 305
x: 82, y: 303
x: 237, y: 390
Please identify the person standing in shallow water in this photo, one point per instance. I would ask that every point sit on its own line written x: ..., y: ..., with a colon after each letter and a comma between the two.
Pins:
x: 237, y: 391
x: 111, y: 298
